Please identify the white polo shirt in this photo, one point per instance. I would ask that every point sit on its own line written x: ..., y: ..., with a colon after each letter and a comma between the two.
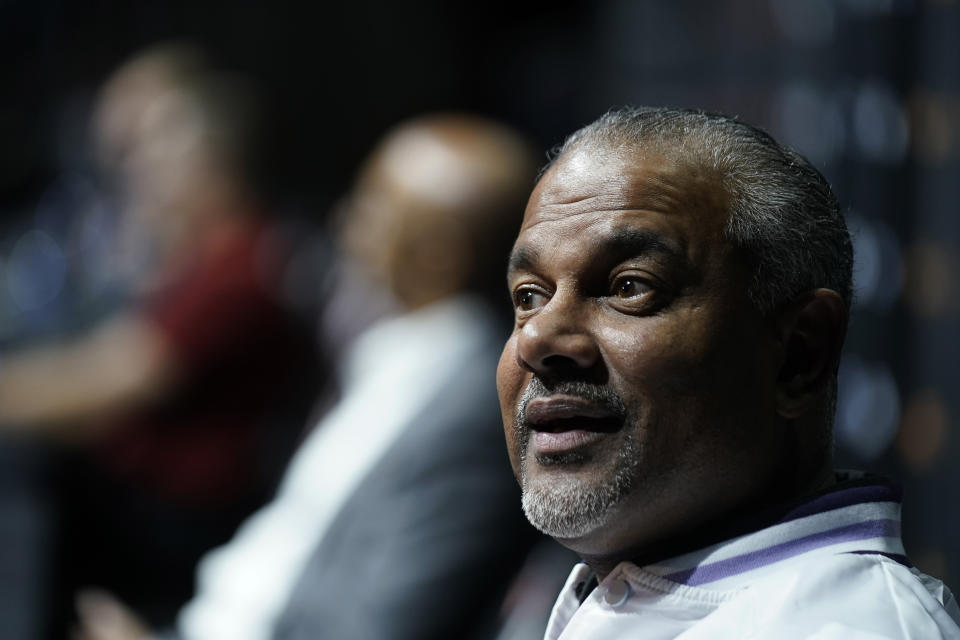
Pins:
x: 831, y: 568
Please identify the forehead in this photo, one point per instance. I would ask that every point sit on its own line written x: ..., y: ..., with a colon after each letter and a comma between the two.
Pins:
x: 591, y: 193
x: 592, y: 178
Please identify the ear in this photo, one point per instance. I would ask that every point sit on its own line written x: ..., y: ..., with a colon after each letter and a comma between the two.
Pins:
x: 811, y: 331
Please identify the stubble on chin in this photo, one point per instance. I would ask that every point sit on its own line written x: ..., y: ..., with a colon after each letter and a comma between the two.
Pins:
x: 558, y: 500
x: 567, y: 507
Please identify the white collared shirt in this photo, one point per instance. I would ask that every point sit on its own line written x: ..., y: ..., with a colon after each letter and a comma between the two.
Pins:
x: 830, y: 568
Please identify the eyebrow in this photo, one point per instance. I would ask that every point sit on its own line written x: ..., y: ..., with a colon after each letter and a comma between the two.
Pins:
x: 620, y: 244
x: 624, y: 243
x: 523, y: 259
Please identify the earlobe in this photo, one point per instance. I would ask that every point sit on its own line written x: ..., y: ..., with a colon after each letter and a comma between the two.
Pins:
x: 811, y: 331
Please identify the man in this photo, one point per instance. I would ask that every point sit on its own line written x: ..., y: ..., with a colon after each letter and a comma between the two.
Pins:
x: 681, y: 285
x: 396, y: 519
x: 169, y: 405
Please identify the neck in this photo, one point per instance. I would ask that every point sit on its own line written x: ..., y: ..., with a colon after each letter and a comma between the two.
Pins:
x: 759, y: 513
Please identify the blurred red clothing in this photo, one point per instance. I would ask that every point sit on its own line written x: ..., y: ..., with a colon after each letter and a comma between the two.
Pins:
x: 243, y: 358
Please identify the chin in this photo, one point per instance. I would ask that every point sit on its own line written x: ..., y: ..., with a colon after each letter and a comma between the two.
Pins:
x: 565, y: 506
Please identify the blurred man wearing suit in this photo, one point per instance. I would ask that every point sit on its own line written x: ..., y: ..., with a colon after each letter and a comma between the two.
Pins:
x: 397, y: 519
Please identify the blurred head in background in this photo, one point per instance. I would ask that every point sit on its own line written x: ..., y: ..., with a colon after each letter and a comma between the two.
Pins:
x: 435, y: 207
x: 176, y: 140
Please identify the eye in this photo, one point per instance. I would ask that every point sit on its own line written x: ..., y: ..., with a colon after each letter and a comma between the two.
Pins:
x: 636, y: 293
x: 528, y: 298
x: 630, y: 287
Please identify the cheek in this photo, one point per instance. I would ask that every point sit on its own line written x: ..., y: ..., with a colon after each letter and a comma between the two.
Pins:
x: 510, y: 381
x: 669, y: 371
x: 653, y: 356
x: 690, y: 373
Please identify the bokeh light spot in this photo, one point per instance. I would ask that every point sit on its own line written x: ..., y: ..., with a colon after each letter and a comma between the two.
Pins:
x: 809, y: 121
x: 878, y: 263
x: 868, y: 407
x: 810, y: 22
x: 36, y: 270
x: 923, y: 430
x: 933, y: 129
x: 930, y: 279
x: 879, y: 124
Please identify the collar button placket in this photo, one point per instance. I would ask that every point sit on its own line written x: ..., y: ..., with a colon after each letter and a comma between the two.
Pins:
x: 617, y: 592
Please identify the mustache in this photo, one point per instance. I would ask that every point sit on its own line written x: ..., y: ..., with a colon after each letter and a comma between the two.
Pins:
x: 596, y: 394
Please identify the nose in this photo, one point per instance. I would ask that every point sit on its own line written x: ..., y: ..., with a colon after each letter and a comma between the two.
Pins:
x: 556, y: 339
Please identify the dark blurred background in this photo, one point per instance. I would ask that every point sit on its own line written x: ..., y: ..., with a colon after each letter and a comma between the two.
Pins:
x: 868, y: 89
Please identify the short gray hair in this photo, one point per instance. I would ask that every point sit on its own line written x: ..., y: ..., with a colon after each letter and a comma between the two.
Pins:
x: 784, y: 218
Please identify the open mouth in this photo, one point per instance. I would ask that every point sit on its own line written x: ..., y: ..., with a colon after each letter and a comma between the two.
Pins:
x: 563, y: 423
x: 565, y: 413
x: 584, y: 423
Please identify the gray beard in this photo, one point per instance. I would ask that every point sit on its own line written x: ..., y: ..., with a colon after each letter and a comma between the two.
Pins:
x: 564, y: 506
x: 568, y: 507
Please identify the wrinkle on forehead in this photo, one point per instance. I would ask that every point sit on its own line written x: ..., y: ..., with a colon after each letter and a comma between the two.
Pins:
x: 587, y: 180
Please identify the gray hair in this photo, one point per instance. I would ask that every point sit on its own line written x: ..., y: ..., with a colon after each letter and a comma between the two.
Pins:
x: 784, y: 219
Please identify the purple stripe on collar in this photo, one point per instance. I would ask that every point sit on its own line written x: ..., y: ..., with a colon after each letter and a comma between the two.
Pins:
x: 844, y: 497
x: 712, y: 572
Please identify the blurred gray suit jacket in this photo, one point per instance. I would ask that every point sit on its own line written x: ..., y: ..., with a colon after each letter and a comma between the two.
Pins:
x: 427, y: 544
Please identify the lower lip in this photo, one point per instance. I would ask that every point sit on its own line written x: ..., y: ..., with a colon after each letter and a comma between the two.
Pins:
x: 545, y: 442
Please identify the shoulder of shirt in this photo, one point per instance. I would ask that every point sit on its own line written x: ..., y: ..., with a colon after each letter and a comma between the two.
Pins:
x: 853, y: 597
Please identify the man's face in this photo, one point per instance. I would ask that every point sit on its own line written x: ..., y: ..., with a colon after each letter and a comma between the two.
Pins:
x: 638, y: 385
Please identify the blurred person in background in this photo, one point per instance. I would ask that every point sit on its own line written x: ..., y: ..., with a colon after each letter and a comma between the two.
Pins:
x: 170, y: 405
x: 398, y: 518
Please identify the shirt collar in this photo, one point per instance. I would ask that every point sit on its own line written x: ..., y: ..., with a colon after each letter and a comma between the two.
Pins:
x: 860, y: 514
